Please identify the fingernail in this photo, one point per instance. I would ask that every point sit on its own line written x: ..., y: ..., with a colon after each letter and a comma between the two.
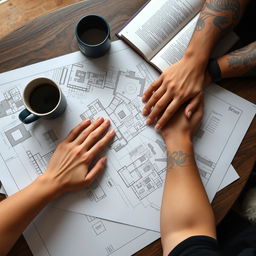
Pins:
x: 86, y: 120
x: 144, y: 112
x: 149, y: 121
x: 107, y: 121
x: 189, y: 114
x: 143, y: 98
x: 112, y: 132
x: 157, y: 127
x: 104, y: 160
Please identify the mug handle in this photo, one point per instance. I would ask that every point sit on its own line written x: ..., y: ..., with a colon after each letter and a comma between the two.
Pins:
x: 27, y: 117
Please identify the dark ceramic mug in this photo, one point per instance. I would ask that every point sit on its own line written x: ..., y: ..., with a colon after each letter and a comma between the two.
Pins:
x: 93, y: 35
x: 43, y: 99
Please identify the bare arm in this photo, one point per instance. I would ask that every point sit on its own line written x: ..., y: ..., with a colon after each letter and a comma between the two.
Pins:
x: 185, y: 209
x: 184, y: 81
x: 68, y: 170
x: 239, y: 63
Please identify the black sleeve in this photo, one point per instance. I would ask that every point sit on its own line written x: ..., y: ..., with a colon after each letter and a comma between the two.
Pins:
x: 197, y: 246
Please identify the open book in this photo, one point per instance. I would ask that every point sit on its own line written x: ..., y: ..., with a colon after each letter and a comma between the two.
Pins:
x: 162, y: 29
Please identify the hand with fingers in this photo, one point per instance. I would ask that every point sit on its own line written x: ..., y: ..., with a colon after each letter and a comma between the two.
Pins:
x: 181, y: 83
x: 69, y: 168
x: 181, y: 129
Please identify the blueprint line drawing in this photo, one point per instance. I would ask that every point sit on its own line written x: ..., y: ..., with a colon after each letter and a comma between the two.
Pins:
x: 17, y: 134
x: 11, y: 102
x: 141, y: 176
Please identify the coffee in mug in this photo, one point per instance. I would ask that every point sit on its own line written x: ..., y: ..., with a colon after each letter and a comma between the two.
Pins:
x: 43, y: 99
x: 93, y: 35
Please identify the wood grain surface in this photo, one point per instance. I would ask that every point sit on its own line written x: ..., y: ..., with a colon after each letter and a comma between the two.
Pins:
x: 52, y: 35
x: 16, y: 13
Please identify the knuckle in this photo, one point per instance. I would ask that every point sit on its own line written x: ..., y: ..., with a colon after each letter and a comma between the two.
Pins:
x: 87, y: 158
x: 170, y: 87
x: 160, y: 106
x: 84, y: 134
x: 65, y: 146
x: 77, y: 151
x: 94, y: 135
x: 155, y: 97
x: 102, y: 143
x: 69, y: 146
x: 154, y: 86
x: 73, y: 130
x: 181, y: 96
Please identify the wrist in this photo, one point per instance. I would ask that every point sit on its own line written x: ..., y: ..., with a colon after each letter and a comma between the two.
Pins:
x: 179, y: 141
x: 199, y: 59
x: 47, y: 187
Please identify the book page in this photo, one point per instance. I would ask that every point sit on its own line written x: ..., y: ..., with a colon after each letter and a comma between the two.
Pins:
x: 158, y: 22
x: 175, y: 49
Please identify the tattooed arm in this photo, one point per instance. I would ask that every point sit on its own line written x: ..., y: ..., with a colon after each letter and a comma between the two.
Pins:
x: 185, y: 80
x: 185, y: 210
x: 239, y: 63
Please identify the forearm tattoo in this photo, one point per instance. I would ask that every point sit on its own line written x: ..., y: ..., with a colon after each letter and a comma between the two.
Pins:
x: 244, y: 59
x: 224, y: 14
x: 177, y: 158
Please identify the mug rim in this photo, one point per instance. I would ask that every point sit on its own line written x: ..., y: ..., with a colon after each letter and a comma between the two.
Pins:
x: 29, y: 108
x: 93, y: 45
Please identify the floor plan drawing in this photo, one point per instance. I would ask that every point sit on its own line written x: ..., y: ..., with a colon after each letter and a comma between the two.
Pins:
x: 17, y: 134
x: 83, y: 79
x: 11, y: 102
x: 141, y: 176
x: 131, y: 185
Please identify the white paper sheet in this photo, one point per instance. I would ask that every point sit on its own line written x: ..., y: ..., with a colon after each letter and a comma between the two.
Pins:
x: 111, y: 86
x: 229, y: 178
x: 62, y: 233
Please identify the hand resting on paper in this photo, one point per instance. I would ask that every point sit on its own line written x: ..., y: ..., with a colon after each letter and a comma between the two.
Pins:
x: 181, y: 83
x: 70, y: 168
x: 181, y: 129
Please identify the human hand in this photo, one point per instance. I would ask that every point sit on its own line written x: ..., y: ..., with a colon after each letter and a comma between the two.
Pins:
x: 180, y: 128
x: 69, y: 168
x: 181, y: 83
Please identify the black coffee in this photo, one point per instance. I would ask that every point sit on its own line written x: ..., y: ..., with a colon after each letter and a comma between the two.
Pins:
x: 93, y: 36
x: 44, y: 98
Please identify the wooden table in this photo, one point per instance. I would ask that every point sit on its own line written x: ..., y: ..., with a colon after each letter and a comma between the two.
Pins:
x: 52, y: 35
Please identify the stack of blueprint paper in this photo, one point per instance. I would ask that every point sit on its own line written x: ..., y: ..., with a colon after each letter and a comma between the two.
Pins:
x: 119, y: 213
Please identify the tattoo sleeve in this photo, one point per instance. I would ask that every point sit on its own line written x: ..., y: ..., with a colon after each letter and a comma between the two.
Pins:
x: 177, y: 158
x: 222, y: 14
x: 244, y: 60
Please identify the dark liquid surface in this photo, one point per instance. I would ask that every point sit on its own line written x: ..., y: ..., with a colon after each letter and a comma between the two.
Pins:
x: 44, y: 98
x: 93, y: 36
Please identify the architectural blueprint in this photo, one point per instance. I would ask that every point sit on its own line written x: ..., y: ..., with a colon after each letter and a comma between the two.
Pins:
x: 111, y: 87
x: 62, y: 233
